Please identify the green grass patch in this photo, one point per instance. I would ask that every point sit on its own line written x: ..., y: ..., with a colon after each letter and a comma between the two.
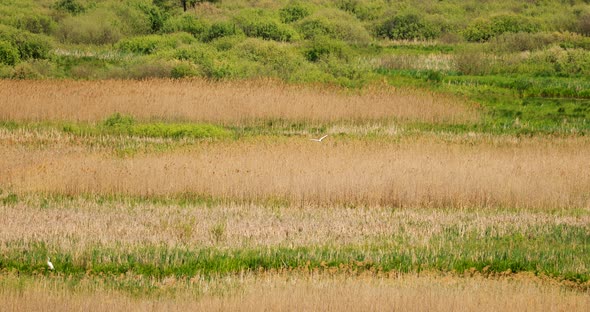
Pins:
x: 560, y: 251
x: 118, y: 124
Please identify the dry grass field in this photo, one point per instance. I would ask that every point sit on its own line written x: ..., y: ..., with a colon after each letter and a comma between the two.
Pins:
x: 304, y: 292
x: 375, y: 217
x: 416, y: 172
x: 225, y: 103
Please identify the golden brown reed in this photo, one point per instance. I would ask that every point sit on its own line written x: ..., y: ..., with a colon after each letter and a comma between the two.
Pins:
x: 221, y: 102
x: 301, y: 292
x: 416, y: 172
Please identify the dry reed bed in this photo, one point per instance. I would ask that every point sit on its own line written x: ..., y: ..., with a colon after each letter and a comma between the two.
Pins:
x: 89, y: 224
x: 536, y: 173
x: 276, y: 292
x: 221, y: 102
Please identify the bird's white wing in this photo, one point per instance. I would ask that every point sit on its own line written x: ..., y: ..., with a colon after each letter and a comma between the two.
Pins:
x: 323, y: 137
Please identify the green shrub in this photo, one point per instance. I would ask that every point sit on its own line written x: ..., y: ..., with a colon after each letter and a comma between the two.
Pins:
x: 221, y: 29
x: 276, y: 59
x: 323, y: 47
x: 563, y: 62
x: 484, y: 29
x: 294, y: 12
x: 151, y: 43
x: 24, y: 71
x: 118, y: 120
x: 407, y: 27
x: 256, y: 23
x: 360, y: 9
x: 124, y: 124
x: 8, y: 53
x: 72, y: 6
x: 36, y: 23
x: 521, y: 41
x: 98, y: 27
x: 184, y: 69
x: 185, y: 23
x: 29, y: 45
x: 584, y: 24
x: 132, y: 18
x: 335, y: 24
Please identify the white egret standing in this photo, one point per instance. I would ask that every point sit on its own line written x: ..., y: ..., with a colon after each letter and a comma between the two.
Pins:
x: 49, y: 264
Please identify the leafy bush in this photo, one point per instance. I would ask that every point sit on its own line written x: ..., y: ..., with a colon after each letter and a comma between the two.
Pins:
x: 521, y: 41
x: 29, y: 45
x: 220, y: 29
x: 360, y: 9
x: 118, y: 120
x: 484, y: 29
x: 36, y: 23
x: 184, y: 69
x: 132, y: 18
x: 277, y: 60
x: 97, y: 28
x: 322, y: 47
x: 8, y: 53
x: 562, y: 62
x: 335, y: 24
x: 294, y: 12
x: 185, y: 23
x: 407, y: 27
x: 124, y: 124
x: 584, y: 24
x: 256, y: 23
x: 72, y: 6
x: 151, y: 43
x: 24, y: 71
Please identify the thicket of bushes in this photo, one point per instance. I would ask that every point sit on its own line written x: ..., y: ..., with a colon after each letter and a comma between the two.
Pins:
x: 327, y: 41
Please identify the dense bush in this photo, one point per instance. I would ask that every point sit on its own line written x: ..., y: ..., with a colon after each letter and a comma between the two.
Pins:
x: 277, y: 59
x: 521, y: 41
x: 221, y: 29
x: 333, y: 23
x: 100, y: 27
x: 36, y: 23
x: 132, y: 18
x: 8, y: 53
x: 29, y: 45
x: 257, y: 23
x: 361, y: 9
x: 407, y: 27
x: 484, y: 29
x: 151, y: 43
x: 71, y: 6
x: 323, y: 47
x: 186, y: 23
x: 184, y: 69
x: 561, y: 62
x: 294, y: 12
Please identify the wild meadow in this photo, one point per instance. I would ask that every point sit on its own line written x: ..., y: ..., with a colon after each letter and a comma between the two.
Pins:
x: 160, y: 155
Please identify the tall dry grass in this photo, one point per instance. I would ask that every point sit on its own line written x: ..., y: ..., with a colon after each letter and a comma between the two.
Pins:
x: 75, y: 225
x: 219, y: 102
x: 416, y: 172
x: 296, y: 292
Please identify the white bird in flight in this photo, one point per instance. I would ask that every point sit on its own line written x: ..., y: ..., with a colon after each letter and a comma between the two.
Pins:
x: 49, y: 264
x: 320, y: 139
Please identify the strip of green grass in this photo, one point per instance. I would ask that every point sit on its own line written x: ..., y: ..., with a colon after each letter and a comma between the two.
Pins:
x: 560, y: 251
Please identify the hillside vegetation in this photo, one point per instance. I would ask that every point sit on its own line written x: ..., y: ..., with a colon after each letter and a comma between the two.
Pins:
x: 527, y: 63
